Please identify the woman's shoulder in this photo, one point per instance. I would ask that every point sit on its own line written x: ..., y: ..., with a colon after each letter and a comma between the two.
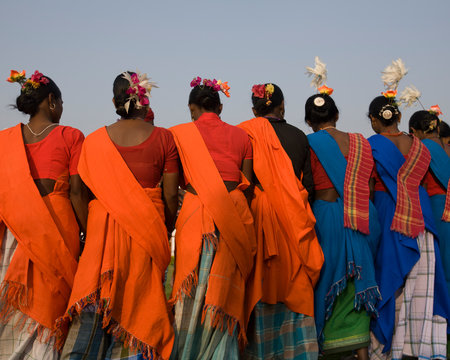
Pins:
x: 163, y: 133
x: 69, y: 131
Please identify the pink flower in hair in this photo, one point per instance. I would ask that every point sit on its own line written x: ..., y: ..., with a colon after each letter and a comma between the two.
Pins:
x: 196, y: 81
x: 141, y: 90
x: 144, y: 101
x: 131, y: 91
x: 135, y: 78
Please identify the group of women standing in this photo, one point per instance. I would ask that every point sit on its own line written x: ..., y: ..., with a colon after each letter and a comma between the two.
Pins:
x: 287, y: 246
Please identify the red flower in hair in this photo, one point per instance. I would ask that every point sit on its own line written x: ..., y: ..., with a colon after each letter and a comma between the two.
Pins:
x: 435, y: 109
x: 259, y: 91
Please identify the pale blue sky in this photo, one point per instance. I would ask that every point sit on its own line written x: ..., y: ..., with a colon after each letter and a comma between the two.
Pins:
x: 83, y: 45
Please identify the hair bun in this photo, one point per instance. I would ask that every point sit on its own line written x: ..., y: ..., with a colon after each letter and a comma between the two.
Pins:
x: 120, y: 110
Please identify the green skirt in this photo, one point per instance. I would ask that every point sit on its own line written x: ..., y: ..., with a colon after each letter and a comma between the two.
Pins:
x: 346, y: 329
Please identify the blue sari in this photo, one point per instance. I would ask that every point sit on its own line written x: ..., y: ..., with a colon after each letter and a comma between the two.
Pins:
x: 349, y: 254
x: 398, y: 253
x: 440, y: 166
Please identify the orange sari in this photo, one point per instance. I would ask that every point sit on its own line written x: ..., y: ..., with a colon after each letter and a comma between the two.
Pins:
x: 213, y: 207
x: 127, y: 252
x: 40, y: 275
x: 289, y: 257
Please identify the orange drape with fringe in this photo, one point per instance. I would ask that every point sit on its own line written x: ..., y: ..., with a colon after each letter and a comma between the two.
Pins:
x: 40, y: 276
x: 289, y: 257
x: 127, y: 252
x: 213, y: 207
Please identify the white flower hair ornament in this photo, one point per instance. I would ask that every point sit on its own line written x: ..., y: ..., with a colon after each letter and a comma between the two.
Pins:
x: 393, y: 73
x: 409, y: 96
x: 139, y: 90
x: 319, y: 73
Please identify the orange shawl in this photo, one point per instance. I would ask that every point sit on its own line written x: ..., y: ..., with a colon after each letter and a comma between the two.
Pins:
x: 40, y: 276
x: 229, y: 212
x: 127, y: 252
x: 289, y: 258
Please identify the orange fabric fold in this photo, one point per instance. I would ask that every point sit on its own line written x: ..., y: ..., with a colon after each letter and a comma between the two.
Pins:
x: 199, y: 215
x: 40, y: 276
x: 289, y: 256
x: 127, y: 252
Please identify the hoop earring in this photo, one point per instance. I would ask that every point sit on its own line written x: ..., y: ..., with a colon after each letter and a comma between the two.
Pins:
x: 52, y: 107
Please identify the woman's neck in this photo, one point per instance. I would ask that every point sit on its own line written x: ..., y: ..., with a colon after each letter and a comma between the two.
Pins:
x: 274, y: 115
x: 324, y: 126
x: 391, y: 129
x: 40, y: 119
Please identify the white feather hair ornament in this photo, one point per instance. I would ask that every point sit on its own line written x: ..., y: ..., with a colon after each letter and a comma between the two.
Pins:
x: 409, y: 96
x: 319, y: 73
x: 393, y: 73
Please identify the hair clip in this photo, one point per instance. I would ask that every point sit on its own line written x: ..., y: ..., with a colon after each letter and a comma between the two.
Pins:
x: 319, y: 101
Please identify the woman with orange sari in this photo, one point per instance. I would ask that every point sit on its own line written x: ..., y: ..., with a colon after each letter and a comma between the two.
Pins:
x: 118, y: 307
x: 43, y: 206
x: 289, y: 257
x: 215, y: 241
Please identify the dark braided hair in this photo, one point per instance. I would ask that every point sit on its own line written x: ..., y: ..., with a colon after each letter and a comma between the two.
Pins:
x: 423, y: 120
x: 385, y: 110
x: 318, y: 114
x: 264, y: 107
x: 205, y: 97
x: 120, y: 87
x: 30, y: 98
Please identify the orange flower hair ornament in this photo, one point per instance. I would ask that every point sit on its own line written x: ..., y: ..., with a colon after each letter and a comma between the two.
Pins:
x: 16, y: 77
x: 35, y: 81
x: 325, y: 90
x: 436, y: 110
x: 262, y: 91
x: 389, y: 94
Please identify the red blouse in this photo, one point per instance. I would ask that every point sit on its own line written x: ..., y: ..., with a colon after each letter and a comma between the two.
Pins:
x: 58, y: 152
x: 149, y: 160
x: 227, y: 144
x: 320, y: 177
x: 432, y: 185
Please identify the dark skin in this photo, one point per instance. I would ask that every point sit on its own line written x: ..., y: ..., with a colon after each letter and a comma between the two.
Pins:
x: 49, y: 113
x: 131, y: 132
x: 342, y: 139
x: 247, y: 164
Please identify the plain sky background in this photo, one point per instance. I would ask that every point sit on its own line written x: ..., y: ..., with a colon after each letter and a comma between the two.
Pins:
x: 83, y: 45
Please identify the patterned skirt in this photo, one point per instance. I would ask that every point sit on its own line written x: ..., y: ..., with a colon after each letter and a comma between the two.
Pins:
x: 275, y: 332
x: 194, y: 339
x: 19, y: 338
x: 417, y: 332
x: 87, y: 340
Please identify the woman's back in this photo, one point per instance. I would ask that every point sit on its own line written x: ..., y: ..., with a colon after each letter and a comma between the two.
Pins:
x: 148, y: 151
